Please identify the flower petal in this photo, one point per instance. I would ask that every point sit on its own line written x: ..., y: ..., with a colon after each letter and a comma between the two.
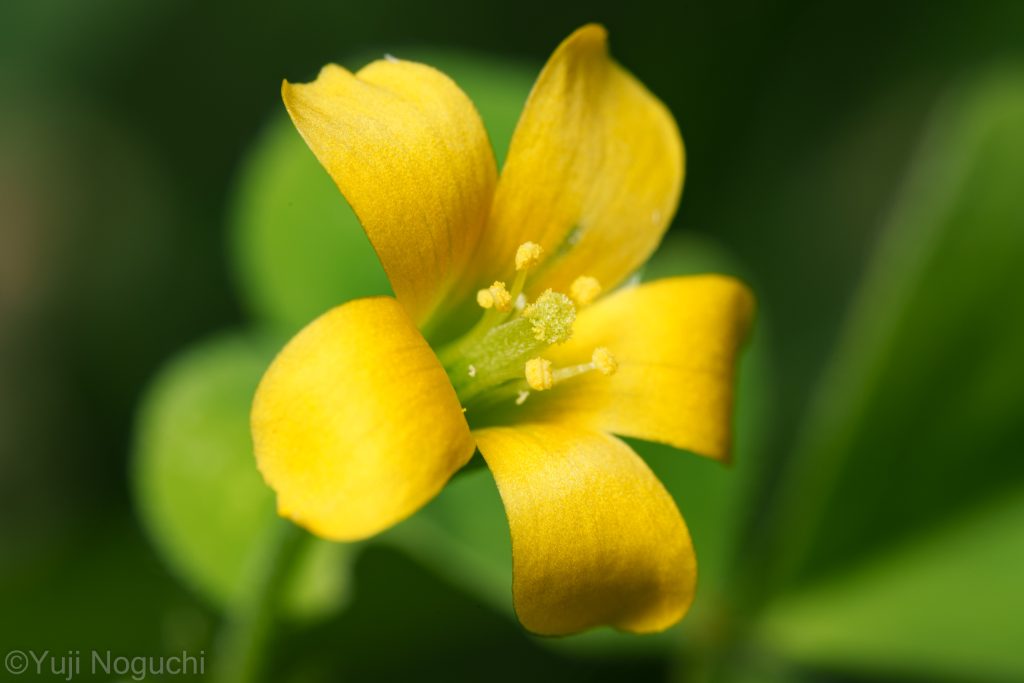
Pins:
x: 595, y: 164
x: 408, y: 150
x: 355, y: 423
x: 676, y: 342
x: 596, y: 538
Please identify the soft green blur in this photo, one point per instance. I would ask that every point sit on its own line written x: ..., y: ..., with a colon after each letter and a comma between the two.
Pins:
x: 163, y: 231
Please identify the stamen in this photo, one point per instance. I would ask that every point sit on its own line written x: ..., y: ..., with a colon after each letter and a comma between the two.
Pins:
x: 584, y: 290
x: 552, y: 316
x: 498, y: 359
x: 603, y: 361
x: 538, y: 374
x: 528, y: 255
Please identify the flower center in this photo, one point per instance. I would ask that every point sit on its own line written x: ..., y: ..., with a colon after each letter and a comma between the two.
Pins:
x: 500, y: 358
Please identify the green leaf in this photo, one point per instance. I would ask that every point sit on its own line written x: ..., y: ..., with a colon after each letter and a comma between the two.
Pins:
x: 918, y: 422
x: 463, y: 535
x: 197, y: 488
x: 297, y: 247
x: 946, y: 606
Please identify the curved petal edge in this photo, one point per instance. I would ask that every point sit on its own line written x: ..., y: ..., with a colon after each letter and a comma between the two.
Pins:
x: 409, y: 152
x: 355, y: 424
x: 596, y: 538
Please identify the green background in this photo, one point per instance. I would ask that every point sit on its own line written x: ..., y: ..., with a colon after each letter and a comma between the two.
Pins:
x: 163, y: 230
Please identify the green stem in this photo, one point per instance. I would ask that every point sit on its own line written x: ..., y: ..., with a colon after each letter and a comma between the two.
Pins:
x: 244, y: 641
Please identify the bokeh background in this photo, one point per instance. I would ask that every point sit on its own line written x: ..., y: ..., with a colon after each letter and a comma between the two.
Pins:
x: 162, y: 231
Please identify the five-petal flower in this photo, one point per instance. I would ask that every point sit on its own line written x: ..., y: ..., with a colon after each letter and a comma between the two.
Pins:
x: 499, y: 336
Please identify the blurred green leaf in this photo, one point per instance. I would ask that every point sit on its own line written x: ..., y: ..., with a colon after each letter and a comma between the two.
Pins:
x: 463, y: 535
x: 947, y: 606
x: 918, y: 423
x: 298, y: 248
x: 197, y: 488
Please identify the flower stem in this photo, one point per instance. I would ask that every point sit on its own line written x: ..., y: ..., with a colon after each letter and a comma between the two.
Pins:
x: 246, y: 634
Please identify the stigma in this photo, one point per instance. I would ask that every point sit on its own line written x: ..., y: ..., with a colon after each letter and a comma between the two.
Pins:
x: 552, y: 316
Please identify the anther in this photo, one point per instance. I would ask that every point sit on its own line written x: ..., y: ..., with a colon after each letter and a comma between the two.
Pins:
x: 496, y: 297
x: 538, y: 374
x: 528, y: 255
x: 502, y: 299
x: 584, y: 290
x: 604, y: 361
x: 521, y: 397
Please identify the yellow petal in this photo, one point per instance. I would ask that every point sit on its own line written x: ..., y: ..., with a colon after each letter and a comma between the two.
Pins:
x: 355, y: 424
x: 676, y: 342
x: 593, y: 174
x: 596, y: 539
x: 408, y: 150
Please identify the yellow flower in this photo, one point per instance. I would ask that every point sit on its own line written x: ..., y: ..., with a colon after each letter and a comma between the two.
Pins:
x: 510, y: 331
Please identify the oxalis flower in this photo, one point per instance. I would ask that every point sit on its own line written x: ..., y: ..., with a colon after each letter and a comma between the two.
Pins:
x: 511, y: 331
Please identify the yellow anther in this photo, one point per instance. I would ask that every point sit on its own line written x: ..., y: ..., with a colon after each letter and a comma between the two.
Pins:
x: 584, y: 290
x: 500, y: 296
x: 538, y: 374
x: 528, y: 255
x: 552, y: 316
x: 485, y: 299
x: 604, y: 361
x: 495, y: 296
